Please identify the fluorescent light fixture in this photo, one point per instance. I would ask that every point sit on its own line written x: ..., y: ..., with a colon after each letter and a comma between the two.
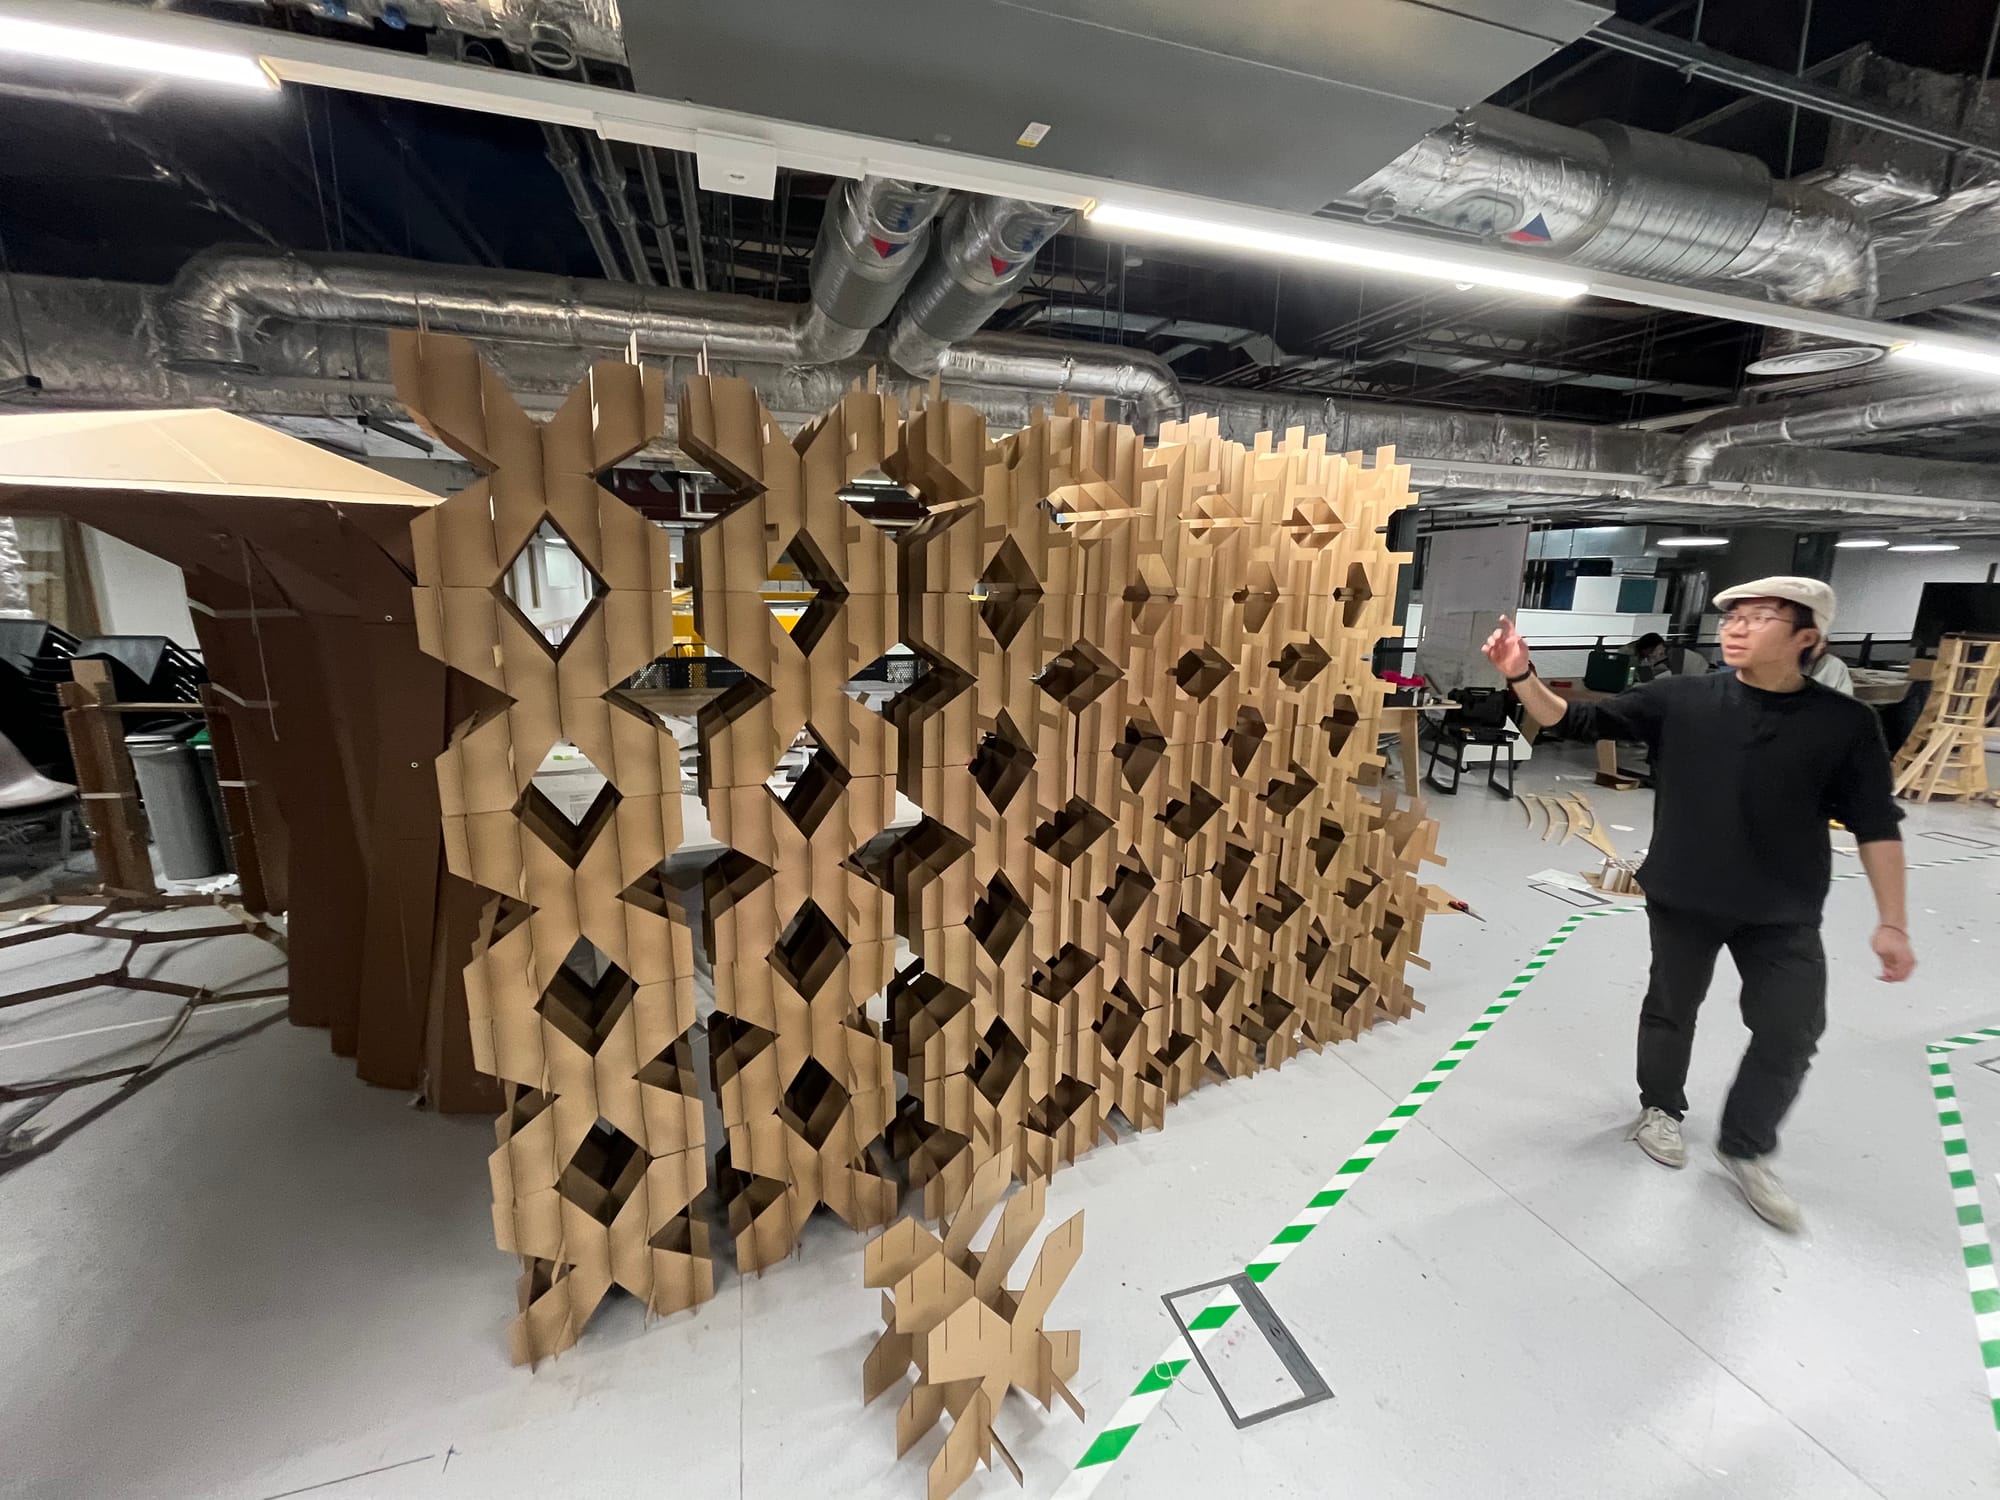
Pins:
x: 105, y: 49
x: 1859, y: 543
x: 1948, y: 356
x: 1330, y: 249
x: 1925, y: 547
x: 1692, y: 541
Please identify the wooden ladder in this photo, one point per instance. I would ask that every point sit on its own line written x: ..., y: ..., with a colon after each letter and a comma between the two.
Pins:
x: 1945, y: 755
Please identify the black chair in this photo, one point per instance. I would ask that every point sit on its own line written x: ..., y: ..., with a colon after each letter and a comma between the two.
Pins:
x: 1480, y: 719
x: 34, y: 663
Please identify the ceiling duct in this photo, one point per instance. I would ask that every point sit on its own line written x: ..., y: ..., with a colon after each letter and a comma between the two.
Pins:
x: 1800, y: 422
x: 218, y: 314
x: 871, y: 242
x: 1638, y: 203
x: 556, y: 32
x: 99, y: 344
x: 988, y: 245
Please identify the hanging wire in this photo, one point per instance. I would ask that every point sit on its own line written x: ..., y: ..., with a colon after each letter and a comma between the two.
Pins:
x: 1799, y: 69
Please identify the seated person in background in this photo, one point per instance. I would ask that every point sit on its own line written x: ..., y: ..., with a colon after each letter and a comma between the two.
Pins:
x: 1655, y: 658
x: 1832, y: 671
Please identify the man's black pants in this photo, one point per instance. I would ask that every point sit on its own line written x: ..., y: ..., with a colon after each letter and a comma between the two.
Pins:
x: 1784, y: 1005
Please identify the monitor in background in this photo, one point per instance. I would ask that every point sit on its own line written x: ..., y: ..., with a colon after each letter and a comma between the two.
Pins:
x: 1956, y: 609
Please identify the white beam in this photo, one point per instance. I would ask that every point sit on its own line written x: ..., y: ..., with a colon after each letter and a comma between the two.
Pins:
x: 728, y: 144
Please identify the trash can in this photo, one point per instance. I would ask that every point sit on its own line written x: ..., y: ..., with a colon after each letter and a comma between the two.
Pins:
x: 177, y: 804
x: 211, y: 784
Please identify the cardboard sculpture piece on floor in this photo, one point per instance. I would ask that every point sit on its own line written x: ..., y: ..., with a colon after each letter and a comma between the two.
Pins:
x: 947, y: 1311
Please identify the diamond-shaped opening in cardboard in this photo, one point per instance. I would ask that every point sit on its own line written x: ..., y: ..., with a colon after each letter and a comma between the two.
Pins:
x: 1149, y: 598
x: 1176, y: 948
x: 1276, y: 909
x: 523, y: 1105
x: 654, y: 894
x: 1078, y: 676
x: 996, y: 1062
x: 998, y: 917
x: 1388, y: 930
x: 1140, y: 750
x: 549, y: 586
x: 1200, y: 671
x: 936, y: 684
x: 681, y: 1236
x: 603, y: 1173
x: 587, y: 996
x: 1318, y: 948
x: 1341, y: 723
x: 1059, y: 976
x: 1122, y: 1020
x: 1009, y: 593
x: 804, y: 613
x: 1002, y: 762
x: 1258, y: 596
x: 1237, y: 858
x: 818, y: 786
x: 1062, y: 1104
x: 1354, y: 595
x: 813, y: 1103
x: 1242, y: 741
x: 809, y: 950
x: 1358, y: 889
x: 1300, y: 662
x: 1187, y: 816
x: 1126, y: 896
x: 731, y: 877
x: 1325, y: 844
x: 568, y: 803
x: 746, y: 1194
x: 1285, y: 793
x: 673, y: 1069
x: 1071, y: 832
x: 1314, y: 524
x: 733, y: 1044
x: 904, y: 862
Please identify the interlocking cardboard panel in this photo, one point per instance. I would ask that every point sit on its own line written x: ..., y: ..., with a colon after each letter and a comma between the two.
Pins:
x: 580, y: 986
x: 800, y: 933
x: 1138, y: 743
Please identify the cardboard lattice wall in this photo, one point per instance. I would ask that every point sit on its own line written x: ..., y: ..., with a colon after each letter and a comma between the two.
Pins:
x: 1139, y: 741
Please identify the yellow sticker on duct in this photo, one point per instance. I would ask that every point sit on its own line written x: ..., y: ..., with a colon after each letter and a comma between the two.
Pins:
x: 1032, y: 136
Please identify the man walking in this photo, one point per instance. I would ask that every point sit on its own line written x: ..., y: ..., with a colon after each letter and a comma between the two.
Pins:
x: 1748, y: 768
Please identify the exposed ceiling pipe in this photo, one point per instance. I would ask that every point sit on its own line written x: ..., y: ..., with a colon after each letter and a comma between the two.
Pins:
x: 610, y: 180
x: 569, y: 166
x: 987, y: 246
x: 871, y: 241
x: 218, y: 311
x: 656, y: 213
x: 691, y: 218
x: 1632, y: 201
x: 1800, y: 422
x: 106, y: 344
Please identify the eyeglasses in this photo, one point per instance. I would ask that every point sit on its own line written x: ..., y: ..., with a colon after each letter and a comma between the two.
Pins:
x: 1756, y: 619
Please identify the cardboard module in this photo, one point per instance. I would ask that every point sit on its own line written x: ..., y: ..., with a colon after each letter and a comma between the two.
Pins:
x: 1142, y: 738
x: 947, y: 1313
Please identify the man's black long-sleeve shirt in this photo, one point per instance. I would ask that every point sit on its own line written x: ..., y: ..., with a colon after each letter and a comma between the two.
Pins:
x: 1744, y: 782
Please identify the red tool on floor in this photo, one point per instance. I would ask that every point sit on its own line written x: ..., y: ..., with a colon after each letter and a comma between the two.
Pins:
x: 1461, y: 906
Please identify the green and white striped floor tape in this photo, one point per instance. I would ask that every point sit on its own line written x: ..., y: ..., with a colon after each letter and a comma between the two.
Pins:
x: 1974, y: 1245
x: 1109, y: 1445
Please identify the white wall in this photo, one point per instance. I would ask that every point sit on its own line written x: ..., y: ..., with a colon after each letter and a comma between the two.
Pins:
x: 137, y: 593
x: 1878, y: 590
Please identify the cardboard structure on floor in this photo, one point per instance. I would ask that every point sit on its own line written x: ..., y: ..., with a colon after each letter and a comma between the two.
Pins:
x: 298, y: 571
x: 1154, y: 850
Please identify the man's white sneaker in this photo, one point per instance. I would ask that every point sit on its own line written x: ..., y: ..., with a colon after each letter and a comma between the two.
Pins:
x: 1763, y: 1192
x: 1659, y: 1136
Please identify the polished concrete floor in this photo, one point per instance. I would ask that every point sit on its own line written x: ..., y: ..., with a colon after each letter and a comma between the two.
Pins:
x: 257, y: 1276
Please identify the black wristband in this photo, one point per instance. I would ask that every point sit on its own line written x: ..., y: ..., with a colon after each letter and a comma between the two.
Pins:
x: 1523, y: 677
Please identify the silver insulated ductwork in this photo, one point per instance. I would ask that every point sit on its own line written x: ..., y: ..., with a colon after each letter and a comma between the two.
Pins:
x: 871, y: 242
x: 987, y: 246
x: 1632, y: 201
